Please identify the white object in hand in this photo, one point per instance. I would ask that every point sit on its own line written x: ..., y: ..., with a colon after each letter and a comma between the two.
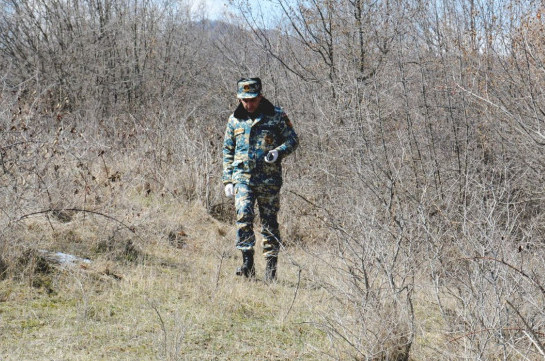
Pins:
x: 229, y: 190
x: 272, y: 156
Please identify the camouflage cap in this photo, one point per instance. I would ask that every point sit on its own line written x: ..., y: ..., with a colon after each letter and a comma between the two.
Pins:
x: 248, y: 88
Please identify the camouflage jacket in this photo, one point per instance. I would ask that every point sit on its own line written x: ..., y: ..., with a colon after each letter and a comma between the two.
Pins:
x: 247, y: 141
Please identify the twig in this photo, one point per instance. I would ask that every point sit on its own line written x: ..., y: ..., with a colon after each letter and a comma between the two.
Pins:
x: 218, y: 273
x: 535, y: 340
x: 294, y: 295
x: 332, y: 222
x: 521, y: 272
x: 310, y: 202
x: 77, y: 210
x: 154, y: 307
x: 473, y: 333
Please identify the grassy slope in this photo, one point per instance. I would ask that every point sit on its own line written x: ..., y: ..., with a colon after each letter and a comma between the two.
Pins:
x: 174, y: 304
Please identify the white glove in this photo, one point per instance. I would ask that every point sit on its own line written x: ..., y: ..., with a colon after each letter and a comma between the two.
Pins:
x: 272, y: 156
x: 229, y: 190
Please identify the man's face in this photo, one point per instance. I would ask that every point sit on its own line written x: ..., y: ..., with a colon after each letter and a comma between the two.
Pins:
x: 251, y: 104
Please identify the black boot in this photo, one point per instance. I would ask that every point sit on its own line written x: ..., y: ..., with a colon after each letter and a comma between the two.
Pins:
x: 270, y: 270
x: 247, y: 269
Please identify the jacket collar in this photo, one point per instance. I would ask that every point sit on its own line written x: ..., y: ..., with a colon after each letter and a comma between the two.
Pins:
x: 265, y: 108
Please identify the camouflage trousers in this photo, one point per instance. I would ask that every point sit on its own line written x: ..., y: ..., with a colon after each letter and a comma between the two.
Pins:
x: 268, y: 200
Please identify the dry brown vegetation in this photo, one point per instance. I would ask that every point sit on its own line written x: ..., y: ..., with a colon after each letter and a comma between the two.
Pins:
x: 412, y: 212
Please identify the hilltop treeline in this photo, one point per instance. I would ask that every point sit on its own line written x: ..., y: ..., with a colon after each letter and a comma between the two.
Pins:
x: 421, y: 164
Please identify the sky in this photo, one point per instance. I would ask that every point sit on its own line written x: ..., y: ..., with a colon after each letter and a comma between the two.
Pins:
x: 214, y: 8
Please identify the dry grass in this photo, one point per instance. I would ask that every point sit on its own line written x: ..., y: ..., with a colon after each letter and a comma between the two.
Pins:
x: 174, y: 296
x: 176, y: 301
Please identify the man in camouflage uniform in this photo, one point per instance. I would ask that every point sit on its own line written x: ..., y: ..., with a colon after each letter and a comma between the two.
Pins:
x: 258, y: 136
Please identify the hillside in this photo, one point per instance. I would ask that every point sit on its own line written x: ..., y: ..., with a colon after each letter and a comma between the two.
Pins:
x: 172, y: 300
x: 412, y: 212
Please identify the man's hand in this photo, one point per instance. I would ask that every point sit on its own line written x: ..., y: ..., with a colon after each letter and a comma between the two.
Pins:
x: 272, y: 156
x: 229, y: 190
